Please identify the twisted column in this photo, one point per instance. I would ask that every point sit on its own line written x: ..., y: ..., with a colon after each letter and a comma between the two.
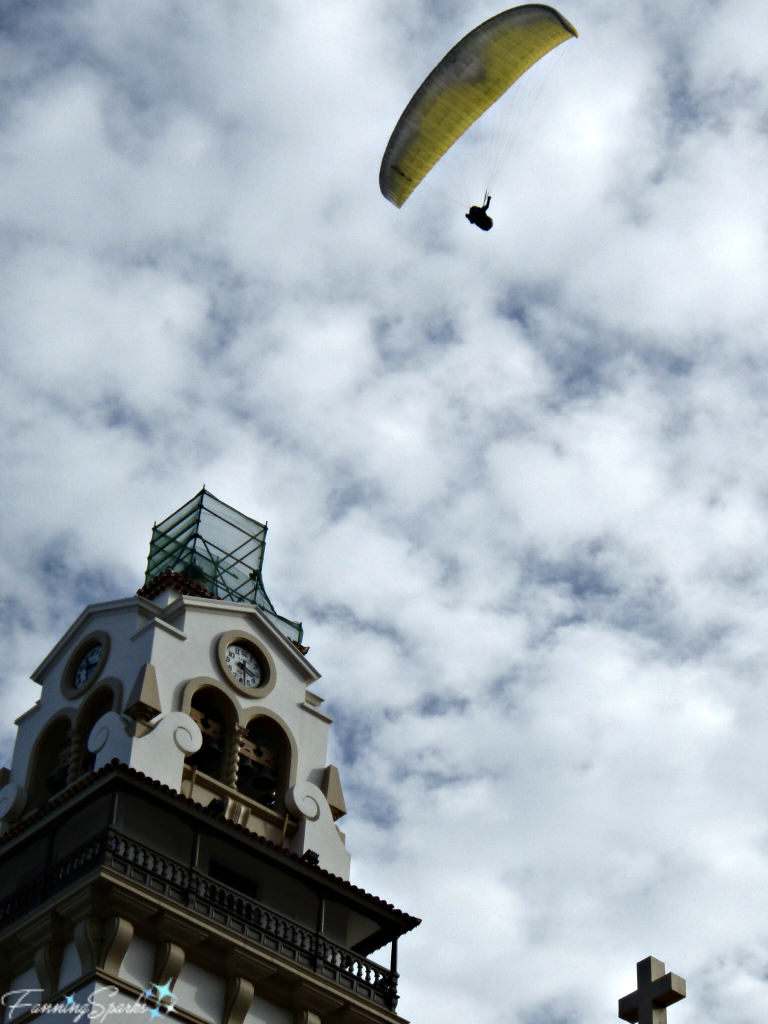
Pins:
x: 236, y: 737
x: 77, y: 742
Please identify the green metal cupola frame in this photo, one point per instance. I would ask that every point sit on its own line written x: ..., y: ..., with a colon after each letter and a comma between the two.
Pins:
x: 218, y: 547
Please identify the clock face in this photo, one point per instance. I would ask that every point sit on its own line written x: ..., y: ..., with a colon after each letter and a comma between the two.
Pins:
x: 244, y: 665
x: 88, y: 665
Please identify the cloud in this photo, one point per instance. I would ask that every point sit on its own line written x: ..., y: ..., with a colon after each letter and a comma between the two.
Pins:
x: 515, y: 482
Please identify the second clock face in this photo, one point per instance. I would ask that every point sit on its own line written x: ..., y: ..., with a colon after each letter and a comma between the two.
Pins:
x: 244, y: 665
x: 88, y: 665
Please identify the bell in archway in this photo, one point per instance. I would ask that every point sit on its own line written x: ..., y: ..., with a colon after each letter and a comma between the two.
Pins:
x: 264, y: 780
x: 245, y: 772
x: 210, y: 756
x: 58, y: 780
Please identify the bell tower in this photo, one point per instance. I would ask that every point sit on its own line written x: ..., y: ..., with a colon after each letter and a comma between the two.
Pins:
x: 169, y: 840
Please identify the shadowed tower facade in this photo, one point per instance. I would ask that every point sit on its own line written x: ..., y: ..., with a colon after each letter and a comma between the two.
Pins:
x: 169, y: 840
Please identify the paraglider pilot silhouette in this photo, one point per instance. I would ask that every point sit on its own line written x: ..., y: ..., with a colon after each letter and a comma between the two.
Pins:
x: 477, y: 215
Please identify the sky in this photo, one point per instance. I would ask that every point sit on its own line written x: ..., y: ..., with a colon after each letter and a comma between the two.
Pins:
x: 515, y: 482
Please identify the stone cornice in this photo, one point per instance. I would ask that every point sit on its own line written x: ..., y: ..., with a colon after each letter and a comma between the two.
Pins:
x: 317, y: 713
x: 28, y: 713
x: 158, y: 623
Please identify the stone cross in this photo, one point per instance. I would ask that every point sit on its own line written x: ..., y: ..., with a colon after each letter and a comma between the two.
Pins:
x: 655, y: 992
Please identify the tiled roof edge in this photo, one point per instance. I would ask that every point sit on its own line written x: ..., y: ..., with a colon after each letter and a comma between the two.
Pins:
x: 168, y: 579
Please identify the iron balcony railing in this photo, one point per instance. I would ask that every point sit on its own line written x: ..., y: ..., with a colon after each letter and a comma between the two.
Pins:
x: 205, y: 896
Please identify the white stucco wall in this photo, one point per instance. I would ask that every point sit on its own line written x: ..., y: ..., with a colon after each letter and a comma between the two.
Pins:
x: 70, y: 965
x: 261, y: 1012
x: 200, y: 992
x: 196, y: 991
x: 138, y: 962
x: 24, y: 982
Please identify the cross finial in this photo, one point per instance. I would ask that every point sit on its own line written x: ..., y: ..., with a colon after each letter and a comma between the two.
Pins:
x: 655, y: 992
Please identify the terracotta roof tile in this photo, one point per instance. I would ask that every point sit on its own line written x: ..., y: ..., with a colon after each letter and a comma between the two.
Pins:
x: 167, y: 580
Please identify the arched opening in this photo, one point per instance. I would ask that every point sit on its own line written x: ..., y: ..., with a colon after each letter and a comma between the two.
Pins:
x: 216, y: 718
x: 265, y: 758
x: 98, y: 704
x: 51, y: 762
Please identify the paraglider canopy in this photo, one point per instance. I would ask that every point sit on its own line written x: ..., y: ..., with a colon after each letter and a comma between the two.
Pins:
x: 467, y: 81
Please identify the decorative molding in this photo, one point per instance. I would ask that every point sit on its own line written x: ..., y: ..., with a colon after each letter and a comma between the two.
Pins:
x: 317, y: 713
x: 88, y: 934
x: 237, y: 1002
x: 233, y: 755
x: 199, y: 683
x: 47, y: 928
x: 317, y: 830
x: 238, y: 813
x: 47, y: 967
x: 343, y: 1014
x: 234, y: 798
x: 143, y: 702
x: 168, y: 927
x: 74, y: 906
x: 158, y: 623
x: 159, y: 753
x: 169, y: 959
x: 118, y: 933
x: 28, y: 713
x: 305, y: 801
x: 77, y: 737
x: 333, y: 793
x: 110, y: 727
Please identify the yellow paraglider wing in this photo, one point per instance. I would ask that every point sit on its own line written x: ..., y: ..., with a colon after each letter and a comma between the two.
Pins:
x: 466, y: 82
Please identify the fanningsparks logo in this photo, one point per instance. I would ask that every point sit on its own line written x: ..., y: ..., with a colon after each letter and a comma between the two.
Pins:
x: 157, y: 1001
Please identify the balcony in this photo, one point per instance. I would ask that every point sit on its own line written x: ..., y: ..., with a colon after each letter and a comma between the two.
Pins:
x: 117, y: 833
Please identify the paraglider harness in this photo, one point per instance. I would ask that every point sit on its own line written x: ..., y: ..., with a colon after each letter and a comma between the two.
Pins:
x: 477, y: 215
